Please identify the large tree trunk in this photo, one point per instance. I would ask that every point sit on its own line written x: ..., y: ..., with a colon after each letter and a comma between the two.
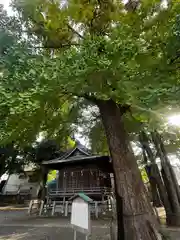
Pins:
x: 170, y: 182
x: 119, y: 214
x: 42, y: 191
x: 174, y: 179
x: 148, y: 156
x: 162, y: 191
x: 154, y: 187
x: 149, y: 161
x: 161, y: 188
x: 168, y: 187
x: 139, y: 220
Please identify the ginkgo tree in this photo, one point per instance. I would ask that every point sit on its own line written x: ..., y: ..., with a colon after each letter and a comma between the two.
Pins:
x: 114, y: 55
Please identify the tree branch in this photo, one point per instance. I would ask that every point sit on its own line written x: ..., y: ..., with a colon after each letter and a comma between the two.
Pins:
x: 74, y: 31
x: 132, y: 5
x: 86, y: 96
x: 57, y: 47
x: 175, y: 58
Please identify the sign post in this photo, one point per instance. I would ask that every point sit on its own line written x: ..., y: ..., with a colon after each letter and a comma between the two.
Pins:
x: 80, y: 214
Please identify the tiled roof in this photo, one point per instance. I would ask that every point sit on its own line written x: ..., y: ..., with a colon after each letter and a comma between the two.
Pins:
x: 79, y: 153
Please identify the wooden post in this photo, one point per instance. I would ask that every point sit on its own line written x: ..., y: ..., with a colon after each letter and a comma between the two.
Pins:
x: 41, y: 208
x: 64, y: 199
x: 53, y: 208
x: 57, y: 182
x: 30, y: 207
x: 96, y: 209
x: 112, y: 182
x: 103, y: 198
x: 66, y: 209
x: 109, y: 204
x: 44, y: 180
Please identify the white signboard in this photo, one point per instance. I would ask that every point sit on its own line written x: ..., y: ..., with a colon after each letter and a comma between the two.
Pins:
x: 80, y: 215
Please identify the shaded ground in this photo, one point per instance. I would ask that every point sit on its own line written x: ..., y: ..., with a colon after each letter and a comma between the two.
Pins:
x: 13, y: 207
x: 11, y: 216
x: 171, y: 234
x: 44, y: 233
x: 17, y: 225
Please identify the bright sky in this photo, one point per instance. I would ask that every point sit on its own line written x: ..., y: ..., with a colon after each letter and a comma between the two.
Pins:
x: 174, y: 120
x: 5, y: 2
x: 6, y: 5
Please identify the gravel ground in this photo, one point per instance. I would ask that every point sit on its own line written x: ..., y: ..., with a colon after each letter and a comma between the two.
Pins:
x: 46, y: 233
x: 12, y: 215
x: 171, y: 234
x: 17, y: 225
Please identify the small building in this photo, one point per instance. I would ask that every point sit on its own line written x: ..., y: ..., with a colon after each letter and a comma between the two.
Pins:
x: 80, y: 171
x: 25, y: 182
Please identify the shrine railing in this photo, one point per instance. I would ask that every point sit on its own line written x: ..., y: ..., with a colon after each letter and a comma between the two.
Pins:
x: 88, y: 191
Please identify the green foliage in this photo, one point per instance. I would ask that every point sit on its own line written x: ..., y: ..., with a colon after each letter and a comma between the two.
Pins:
x: 51, y: 175
x: 144, y: 176
x: 10, y: 162
x: 97, y: 138
x: 93, y: 50
x: 116, y: 66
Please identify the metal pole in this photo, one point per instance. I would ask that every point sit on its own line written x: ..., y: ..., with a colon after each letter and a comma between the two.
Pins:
x: 75, y: 235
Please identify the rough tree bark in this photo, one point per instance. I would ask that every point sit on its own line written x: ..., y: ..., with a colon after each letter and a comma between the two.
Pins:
x: 2, y: 165
x: 119, y: 214
x: 170, y: 181
x: 161, y: 188
x: 174, y: 179
x: 154, y: 172
x: 138, y: 216
x: 149, y: 161
x: 42, y: 190
x: 153, y: 185
x: 156, y: 199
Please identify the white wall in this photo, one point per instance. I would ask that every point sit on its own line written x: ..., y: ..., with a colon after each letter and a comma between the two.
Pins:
x: 15, y: 182
x: 4, y: 177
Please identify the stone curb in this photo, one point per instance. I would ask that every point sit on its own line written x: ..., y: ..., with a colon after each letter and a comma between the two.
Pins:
x: 12, y: 209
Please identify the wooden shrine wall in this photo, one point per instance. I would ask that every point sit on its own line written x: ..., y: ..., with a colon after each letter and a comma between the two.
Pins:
x: 83, y: 178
